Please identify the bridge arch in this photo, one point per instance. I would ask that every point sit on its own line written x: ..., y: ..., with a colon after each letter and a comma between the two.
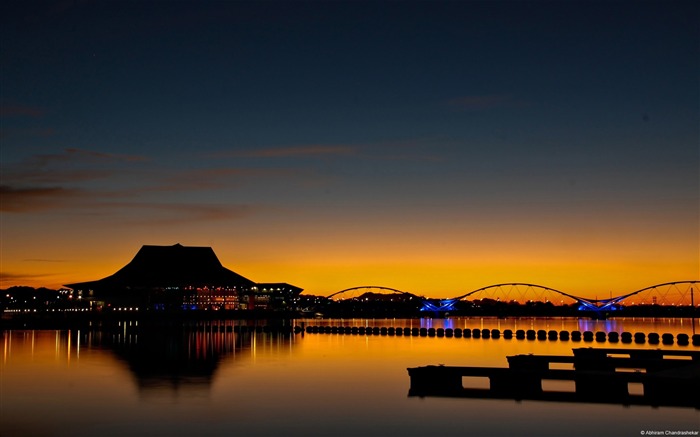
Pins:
x: 538, y: 289
x: 525, y: 292
x: 520, y: 292
x: 670, y: 292
x: 349, y: 291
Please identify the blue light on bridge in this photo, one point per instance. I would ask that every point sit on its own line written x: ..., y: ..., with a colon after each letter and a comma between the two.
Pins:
x: 442, y: 305
x: 584, y: 304
x: 607, y: 305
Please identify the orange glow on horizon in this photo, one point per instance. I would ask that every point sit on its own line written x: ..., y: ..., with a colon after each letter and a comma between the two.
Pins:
x: 437, y: 279
x: 439, y: 260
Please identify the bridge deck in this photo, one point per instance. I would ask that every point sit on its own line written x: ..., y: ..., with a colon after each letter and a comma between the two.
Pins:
x: 596, y: 377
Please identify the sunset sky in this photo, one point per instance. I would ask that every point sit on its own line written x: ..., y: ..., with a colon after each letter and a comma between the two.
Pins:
x: 433, y: 147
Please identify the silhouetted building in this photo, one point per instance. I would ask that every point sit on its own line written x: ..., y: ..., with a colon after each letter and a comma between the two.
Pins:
x: 189, y: 278
x: 273, y: 295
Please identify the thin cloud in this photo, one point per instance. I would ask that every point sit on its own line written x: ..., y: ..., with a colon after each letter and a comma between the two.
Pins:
x: 29, y: 199
x: 34, y: 132
x: 82, y: 155
x: 42, y: 199
x: 215, y: 178
x: 72, y: 165
x: 104, y: 156
x: 20, y: 111
x: 34, y: 199
x: 6, y: 277
x: 63, y: 176
x: 53, y: 181
x: 32, y: 189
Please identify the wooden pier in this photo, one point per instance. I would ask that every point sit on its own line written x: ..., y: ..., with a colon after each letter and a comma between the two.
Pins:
x: 665, y: 377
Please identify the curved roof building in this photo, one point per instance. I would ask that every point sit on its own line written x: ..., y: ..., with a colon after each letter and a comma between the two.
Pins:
x: 170, y: 267
x: 187, y: 277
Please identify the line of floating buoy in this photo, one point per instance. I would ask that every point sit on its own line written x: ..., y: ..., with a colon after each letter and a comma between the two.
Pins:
x: 252, y: 329
x: 520, y: 334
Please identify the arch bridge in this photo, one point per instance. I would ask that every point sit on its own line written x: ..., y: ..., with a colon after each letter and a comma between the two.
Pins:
x: 368, y: 292
x: 507, y: 292
x: 676, y: 293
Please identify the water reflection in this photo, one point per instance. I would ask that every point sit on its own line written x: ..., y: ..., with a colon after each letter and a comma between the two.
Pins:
x: 163, y: 356
x: 609, y: 325
x: 42, y: 346
x: 631, y: 324
x: 178, y: 356
x: 211, y: 378
x: 173, y: 357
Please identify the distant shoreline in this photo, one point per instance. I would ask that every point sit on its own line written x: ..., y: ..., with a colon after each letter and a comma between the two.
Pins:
x: 93, y: 319
x: 107, y: 320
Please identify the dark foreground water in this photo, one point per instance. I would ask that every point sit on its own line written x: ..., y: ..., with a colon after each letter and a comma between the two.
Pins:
x: 204, y: 378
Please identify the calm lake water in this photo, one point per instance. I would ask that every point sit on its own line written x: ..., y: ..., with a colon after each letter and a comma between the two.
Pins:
x: 205, y: 379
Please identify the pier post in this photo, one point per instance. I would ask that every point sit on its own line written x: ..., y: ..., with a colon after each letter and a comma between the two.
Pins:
x: 436, y: 380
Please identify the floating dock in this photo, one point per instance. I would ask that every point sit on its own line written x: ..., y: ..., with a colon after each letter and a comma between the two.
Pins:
x: 665, y: 377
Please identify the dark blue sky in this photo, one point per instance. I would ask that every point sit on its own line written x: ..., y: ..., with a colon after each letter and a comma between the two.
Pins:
x: 417, y: 132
